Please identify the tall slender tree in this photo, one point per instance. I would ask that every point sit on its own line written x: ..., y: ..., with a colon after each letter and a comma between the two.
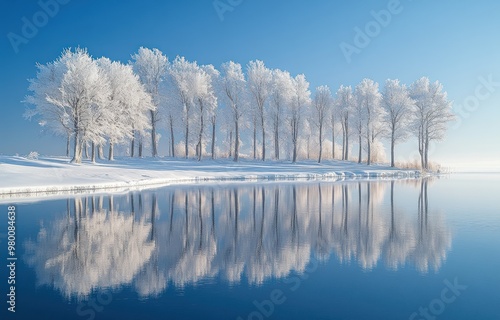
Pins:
x: 206, y: 101
x: 398, y: 105
x: 259, y: 81
x: 233, y: 85
x: 186, y: 78
x: 368, y: 99
x: 128, y: 102
x: 322, y: 106
x: 301, y: 100
x: 213, y: 93
x: 344, y: 104
x: 281, y: 97
x: 432, y: 114
x: 151, y: 66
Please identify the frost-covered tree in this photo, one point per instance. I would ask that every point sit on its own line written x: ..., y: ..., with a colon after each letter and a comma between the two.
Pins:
x: 173, y: 112
x: 322, y: 106
x: 233, y: 85
x: 185, y: 77
x: 128, y: 102
x: 359, y: 123
x: 86, y: 86
x: 368, y: 99
x: 53, y: 118
x: 282, y: 90
x: 432, y: 113
x: 398, y: 106
x: 213, y: 93
x: 259, y: 84
x: 151, y: 66
x: 333, y: 115
x: 306, y: 142
x: 206, y: 102
x: 141, y: 124
x: 344, y: 105
x: 225, y: 119
x: 77, y: 93
x: 301, y: 99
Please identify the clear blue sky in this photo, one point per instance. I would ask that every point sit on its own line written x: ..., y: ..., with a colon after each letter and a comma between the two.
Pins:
x: 450, y: 41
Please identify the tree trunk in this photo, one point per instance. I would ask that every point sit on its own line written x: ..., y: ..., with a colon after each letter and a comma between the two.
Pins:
x: 132, y: 144
x: 236, y: 142
x: 320, y: 142
x: 141, y: 147
x: 426, y: 157
x: 294, y: 140
x: 309, y: 147
x: 230, y: 144
x: 333, y: 139
x: 421, y: 147
x: 81, y: 149
x: 422, y: 164
x: 68, y: 142
x: 276, y: 138
x: 255, y: 140
x: 186, y: 141
x: 86, y: 150
x: 111, y: 151
x: 343, y: 143
x: 213, y: 138
x: 263, y: 139
x: 200, y: 138
x: 359, y: 155
x: 369, y: 145
x: 294, y: 156
x: 346, y: 141
x: 392, y: 149
x: 154, y: 150
x: 100, y: 152
x: 426, y: 150
x: 77, y: 156
x: 172, y: 138
x: 93, y: 152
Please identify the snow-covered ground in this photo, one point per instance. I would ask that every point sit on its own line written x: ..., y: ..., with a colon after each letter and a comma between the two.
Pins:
x: 21, y: 177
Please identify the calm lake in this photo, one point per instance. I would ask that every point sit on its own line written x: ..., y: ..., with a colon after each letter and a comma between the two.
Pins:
x: 405, y: 249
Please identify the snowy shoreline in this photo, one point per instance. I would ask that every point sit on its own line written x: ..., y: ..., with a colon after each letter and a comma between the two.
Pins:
x: 46, y: 176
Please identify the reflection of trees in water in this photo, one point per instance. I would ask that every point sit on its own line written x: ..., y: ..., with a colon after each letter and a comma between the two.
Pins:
x: 433, y: 239
x: 401, y: 239
x: 252, y: 232
x: 91, y: 248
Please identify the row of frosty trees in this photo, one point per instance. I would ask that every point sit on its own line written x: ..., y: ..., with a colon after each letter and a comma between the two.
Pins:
x: 97, y: 102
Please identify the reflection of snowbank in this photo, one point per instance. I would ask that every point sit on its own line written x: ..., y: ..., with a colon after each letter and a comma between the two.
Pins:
x: 102, y: 250
x: 246, y: 232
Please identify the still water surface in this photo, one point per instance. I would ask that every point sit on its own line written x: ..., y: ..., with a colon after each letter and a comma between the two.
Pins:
x: 412, y: 249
